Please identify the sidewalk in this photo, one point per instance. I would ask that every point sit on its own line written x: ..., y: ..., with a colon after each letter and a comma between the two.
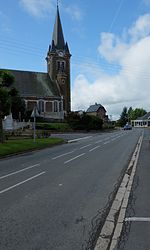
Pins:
x: 136, y: 229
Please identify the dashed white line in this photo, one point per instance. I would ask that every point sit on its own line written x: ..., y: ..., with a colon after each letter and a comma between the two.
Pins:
x: 86, y: 146
x: 19, y: 171
x: 98, y: 141
x: 20, y: 183
x: 74, y: 158
x: 92, y: 149
x: 142, y: 219
x: 106, y: 142
x: 81, y: 138
x: 54, y: 158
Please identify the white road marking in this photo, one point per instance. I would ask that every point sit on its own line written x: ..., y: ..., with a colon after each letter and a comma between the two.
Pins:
x: 19, y: 171
x: 20, y: 183
x: 113, y: 139
x: 105, y: 139
x: 86, y: 146
x: 81, y: 138
x: 98, y: 141
x: 106, y: 142
x: 60, y: 184
x: 54, y: 158
x: 142, y: 219
x: 94, y: 148
x: 74, y: 158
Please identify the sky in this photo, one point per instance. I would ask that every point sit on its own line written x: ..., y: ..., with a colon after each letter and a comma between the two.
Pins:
x: 109, y: 41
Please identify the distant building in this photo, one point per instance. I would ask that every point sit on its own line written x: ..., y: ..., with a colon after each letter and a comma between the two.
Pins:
x: 143, y: 121
x: 97, y: 110
x: 49, y: 92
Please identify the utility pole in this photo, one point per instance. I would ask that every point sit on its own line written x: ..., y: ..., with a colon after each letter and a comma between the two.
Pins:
x: 34, y: 126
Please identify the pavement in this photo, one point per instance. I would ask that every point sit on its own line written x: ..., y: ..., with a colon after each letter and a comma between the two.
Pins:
x: 136, y: 229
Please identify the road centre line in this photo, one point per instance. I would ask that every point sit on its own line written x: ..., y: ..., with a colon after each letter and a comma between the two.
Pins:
x: 98, y: 141
x: 94, y: 148
x: 81, y: 138
x: 113, y: 139
x: 19, y: 171
x: 106, y: 142
x: 138, y: 219
x: 22, y: 182
x: 74, y: 158
x: 54, y: 158
x: 86, y: 146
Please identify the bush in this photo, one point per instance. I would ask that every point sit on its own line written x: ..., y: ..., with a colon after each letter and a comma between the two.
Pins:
x: 84, y: 122
x: 57, y: 127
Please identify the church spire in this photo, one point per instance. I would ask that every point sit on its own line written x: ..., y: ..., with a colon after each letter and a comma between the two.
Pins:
x: 58, y: 37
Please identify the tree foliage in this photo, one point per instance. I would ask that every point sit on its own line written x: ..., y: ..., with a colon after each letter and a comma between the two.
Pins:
x: 5, y: 99
x: 17, y: 104
x: 123, y: 117
x: 84, y: 122
x: 130, y: 114
x: 6, y: 79
x: 135, y: 113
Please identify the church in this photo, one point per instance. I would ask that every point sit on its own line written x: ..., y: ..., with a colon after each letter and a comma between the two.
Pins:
x: 48, y: 92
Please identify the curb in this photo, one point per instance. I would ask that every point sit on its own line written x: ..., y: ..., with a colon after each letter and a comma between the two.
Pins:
x: 112, y: 227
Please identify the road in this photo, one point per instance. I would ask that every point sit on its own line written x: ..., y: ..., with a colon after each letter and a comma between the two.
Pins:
x: 57, y: 198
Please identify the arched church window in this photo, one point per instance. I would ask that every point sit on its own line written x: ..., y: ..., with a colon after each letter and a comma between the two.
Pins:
x: 41, y: 106
x: 60, y: 106
x: 55, y: 106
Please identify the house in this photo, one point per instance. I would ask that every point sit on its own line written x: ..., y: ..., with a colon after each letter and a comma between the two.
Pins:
x: 49, y: 92
x: 97, y: 110
x: 143, y: 121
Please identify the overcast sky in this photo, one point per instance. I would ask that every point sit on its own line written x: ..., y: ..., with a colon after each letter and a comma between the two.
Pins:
x: 109, y: 41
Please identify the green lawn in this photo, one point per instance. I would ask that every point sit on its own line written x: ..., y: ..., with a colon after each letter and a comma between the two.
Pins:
x: 22, y: 145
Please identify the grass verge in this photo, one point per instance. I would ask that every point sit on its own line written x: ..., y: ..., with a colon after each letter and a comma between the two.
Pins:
x: 18, y: 146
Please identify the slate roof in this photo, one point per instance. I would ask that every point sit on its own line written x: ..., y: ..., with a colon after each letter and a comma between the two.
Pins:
x: 34, y: 84
x: 58, y: 42
x: 144, y: 117
x: 58, y: 36
x: 94, y: 108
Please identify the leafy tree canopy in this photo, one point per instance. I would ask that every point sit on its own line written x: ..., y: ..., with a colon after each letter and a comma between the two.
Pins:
x: 6, y: 79
x: 130, y: 114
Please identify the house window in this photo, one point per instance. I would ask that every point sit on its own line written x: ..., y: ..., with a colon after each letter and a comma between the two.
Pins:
x: 41, y: 106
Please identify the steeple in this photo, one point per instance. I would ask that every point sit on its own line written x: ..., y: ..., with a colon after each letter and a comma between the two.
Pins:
x: 58, y: 37
x: 58, y: 62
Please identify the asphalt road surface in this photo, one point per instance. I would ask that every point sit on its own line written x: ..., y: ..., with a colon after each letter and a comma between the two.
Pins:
x: 57, y: 198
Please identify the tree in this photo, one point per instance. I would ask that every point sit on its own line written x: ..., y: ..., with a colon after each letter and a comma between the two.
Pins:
x: 5, y: 100
x: 130, y: 114
x: 123, y: 117
x: 17, y: 104
x: 6, y: 79
x: 138, y: 112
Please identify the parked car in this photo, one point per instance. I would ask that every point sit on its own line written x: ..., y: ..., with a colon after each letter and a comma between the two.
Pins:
x: 127, y: 127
